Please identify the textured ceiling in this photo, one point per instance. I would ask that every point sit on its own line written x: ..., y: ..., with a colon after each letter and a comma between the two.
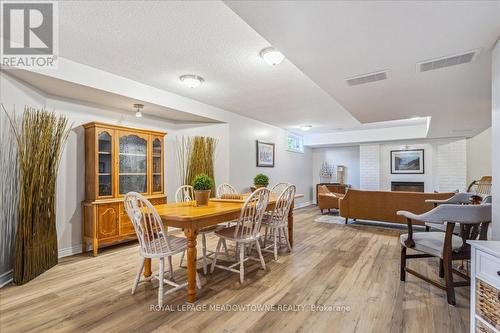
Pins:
x: 334, y: 40
x: 156, y: 42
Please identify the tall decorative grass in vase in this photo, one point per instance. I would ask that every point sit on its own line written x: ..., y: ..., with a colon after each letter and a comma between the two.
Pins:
x: 40, y: 137
x: 196, y: 156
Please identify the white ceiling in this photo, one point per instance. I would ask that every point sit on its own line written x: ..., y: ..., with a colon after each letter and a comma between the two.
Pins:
x: 66, y: 89
x: 334, y: 40
x: 156, y: 42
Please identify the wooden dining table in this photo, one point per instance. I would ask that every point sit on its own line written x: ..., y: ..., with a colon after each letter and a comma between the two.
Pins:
x: 192, y: 218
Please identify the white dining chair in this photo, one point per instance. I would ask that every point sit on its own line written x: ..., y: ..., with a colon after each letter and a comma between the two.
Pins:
x: 154, y: 243
x: 277, y: 222
x: 225, y: 189
x: 245, y: 232
x: 279, y: 188
x: 185, y: 193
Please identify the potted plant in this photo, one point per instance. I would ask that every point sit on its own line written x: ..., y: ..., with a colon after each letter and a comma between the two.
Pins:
x: 261, y: 180
x: 202, y: 185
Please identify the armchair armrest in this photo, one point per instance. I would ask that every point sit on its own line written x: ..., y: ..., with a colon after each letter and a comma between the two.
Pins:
x: 409, y: 242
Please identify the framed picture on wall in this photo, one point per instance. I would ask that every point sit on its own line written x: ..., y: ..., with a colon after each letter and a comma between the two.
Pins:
x: 410, y: 161
x: 265, y: 154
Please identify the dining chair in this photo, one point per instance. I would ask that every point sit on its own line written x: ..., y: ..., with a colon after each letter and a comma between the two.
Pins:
x: 474, y: 221
x: 245, y: 232
x: 225, y: 189
x: 277, y: 222
x: 154, y: 243
x: 278, y: 188
x: 185, y: 193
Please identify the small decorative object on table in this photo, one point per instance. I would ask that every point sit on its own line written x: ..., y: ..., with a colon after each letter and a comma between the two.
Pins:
x: 261, y: 180
x: 202, y: 185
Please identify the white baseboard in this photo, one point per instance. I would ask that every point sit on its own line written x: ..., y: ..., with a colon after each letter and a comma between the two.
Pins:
x: 5, y: 278
x: 303, y: 204
x: 69, y: 251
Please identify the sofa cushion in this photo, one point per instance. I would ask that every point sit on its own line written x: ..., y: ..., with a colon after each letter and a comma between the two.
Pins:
x: 431, y: 242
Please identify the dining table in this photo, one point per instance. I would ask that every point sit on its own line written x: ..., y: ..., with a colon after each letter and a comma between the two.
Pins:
x: 191, y: 218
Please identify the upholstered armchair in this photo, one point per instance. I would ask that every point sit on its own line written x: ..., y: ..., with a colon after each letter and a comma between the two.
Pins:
x: 447, y: 246
x: 328, y: 200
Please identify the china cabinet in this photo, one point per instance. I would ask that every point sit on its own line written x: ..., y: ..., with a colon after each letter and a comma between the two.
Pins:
x: 118, y: 160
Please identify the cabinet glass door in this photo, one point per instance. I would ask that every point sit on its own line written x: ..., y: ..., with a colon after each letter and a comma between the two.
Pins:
x: 133, y: 168
x: 157, y: 166
x: 105, y: 164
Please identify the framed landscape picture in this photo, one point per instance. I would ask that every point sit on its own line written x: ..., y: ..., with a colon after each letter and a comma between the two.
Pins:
x: 265, y: 154
x: 407, y: 161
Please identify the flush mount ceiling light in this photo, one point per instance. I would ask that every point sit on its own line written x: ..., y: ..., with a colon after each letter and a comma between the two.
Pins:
x: 191, y: 81
x: 138, y: 113
x: 272, y: 56
x: 305, y: 127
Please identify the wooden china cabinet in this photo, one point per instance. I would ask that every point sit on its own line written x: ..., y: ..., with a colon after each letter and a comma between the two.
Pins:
x: 118, y: 160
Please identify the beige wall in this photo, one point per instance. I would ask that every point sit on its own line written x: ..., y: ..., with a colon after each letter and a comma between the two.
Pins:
x: 479, y: 156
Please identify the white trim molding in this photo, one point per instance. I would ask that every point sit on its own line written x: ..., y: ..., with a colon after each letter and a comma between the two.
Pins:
x: 5, y: 278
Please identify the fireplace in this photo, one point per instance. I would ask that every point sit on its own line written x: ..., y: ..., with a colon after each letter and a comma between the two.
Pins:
x: 407, y: 186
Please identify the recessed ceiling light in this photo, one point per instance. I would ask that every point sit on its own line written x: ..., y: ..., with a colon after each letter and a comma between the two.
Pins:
x: 191, y: 81
x: 138, y: 113
x: 272, y: 56
x: 305, y: 127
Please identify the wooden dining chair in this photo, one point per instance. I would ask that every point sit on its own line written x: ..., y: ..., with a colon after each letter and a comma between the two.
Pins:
x: 225, y: 189
x: 474, y: 221
x: 277, y: 222
x: 245, y: 232
x: 185, y: 193
x: 154, y: 243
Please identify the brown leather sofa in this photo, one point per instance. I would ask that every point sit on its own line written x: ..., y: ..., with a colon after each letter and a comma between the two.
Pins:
x: 328, y: 200
x: 383, y: 205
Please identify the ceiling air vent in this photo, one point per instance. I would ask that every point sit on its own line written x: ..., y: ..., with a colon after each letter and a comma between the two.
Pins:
x: 366, y: 78
x: 453, y: 60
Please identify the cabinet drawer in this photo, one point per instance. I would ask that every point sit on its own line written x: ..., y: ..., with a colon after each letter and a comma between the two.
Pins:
x: 488, y: 303
x: 488, y: 267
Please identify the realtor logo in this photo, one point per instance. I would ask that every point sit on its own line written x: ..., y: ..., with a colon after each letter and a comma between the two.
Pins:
x: 29, y: 34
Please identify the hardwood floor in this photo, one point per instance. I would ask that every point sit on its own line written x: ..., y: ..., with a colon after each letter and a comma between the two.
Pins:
x: 354, y: 266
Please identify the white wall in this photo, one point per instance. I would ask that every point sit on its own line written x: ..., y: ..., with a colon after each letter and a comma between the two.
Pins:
x: 495, y: 117
x: 235, y: 159
x: 369, y: 167
x: 347, y: 156
x: 479, y: 156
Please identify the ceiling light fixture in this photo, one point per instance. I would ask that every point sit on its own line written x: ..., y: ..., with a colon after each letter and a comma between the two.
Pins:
x: 191, y: 81
x: 305, y: 127
x: 272, y: 56
x: 138, y: 113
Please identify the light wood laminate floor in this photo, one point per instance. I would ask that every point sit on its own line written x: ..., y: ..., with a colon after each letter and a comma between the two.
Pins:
x: 356, y: 266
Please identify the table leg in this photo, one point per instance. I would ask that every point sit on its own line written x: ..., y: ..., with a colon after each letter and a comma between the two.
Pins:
x: 290, y: 225
x: 147, y: 267
x: 191, y: 263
